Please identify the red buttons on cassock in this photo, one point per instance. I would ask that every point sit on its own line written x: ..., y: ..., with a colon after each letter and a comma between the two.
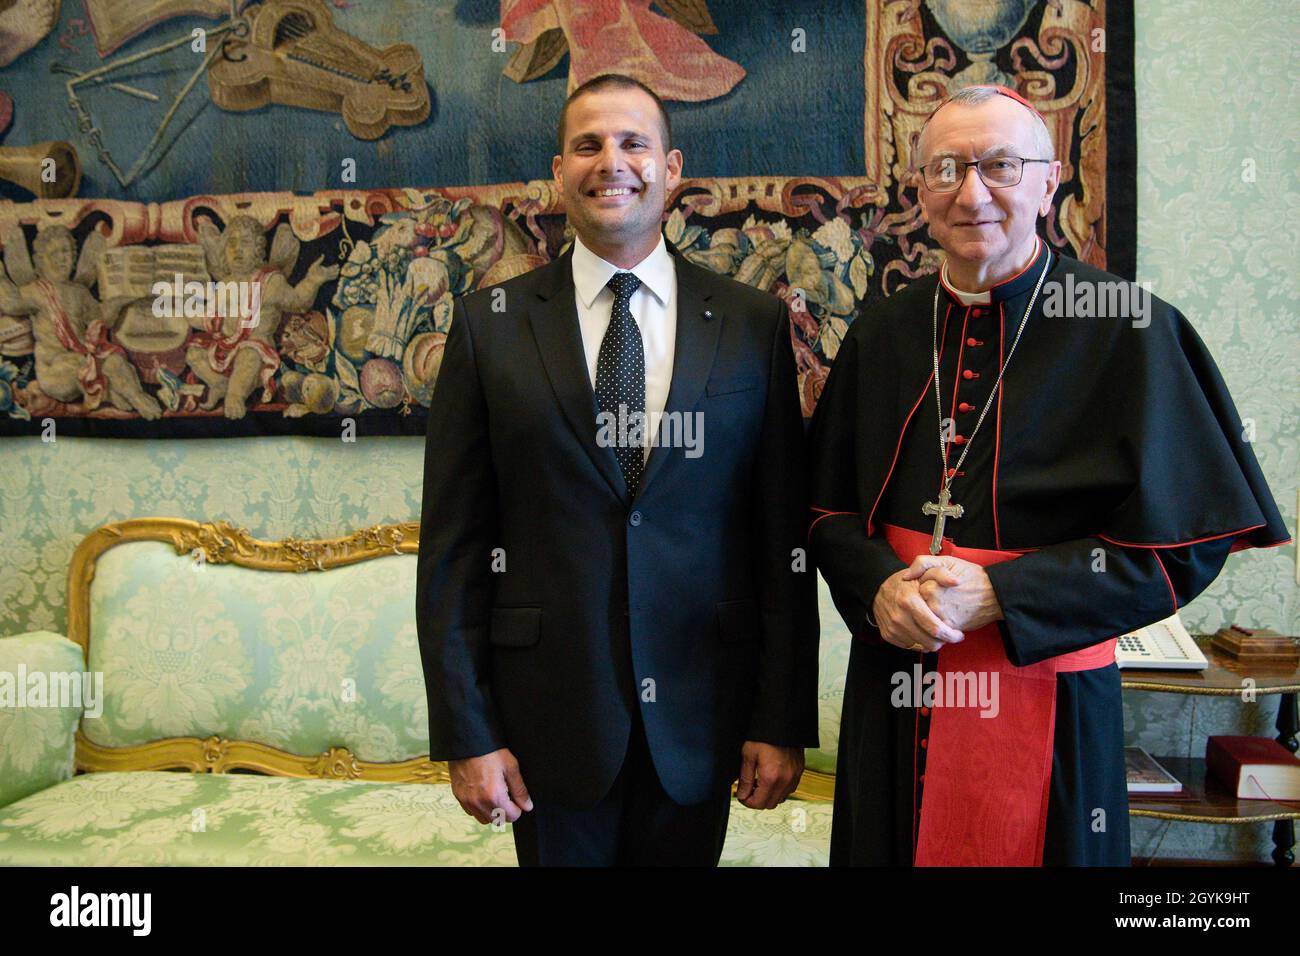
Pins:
x: 959, y: 439
x: 968, y: 375
x: 925, y: 711
x: 925, y: 743
x: 965, y: 407
x: 972, y: 342
x: 976, y: 311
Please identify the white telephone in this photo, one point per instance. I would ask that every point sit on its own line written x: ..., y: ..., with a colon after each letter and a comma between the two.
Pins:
x: 1164, y: 645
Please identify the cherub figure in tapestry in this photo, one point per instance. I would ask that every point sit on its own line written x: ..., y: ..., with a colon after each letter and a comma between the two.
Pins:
x: 76, y: 358
x: 233, y: 350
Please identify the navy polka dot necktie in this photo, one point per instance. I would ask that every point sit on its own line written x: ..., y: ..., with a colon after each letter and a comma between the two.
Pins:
x: 620, y: 374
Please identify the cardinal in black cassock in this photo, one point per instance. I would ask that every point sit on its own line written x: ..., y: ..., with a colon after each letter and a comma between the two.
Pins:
x: 1104, y: 489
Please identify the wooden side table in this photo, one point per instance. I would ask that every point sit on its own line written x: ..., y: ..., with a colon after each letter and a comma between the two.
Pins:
x: 1203, y: 800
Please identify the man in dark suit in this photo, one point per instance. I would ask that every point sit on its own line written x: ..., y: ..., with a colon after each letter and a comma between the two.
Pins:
x: 614, y: 626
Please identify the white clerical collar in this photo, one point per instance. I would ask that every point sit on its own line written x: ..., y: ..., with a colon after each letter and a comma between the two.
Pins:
x: 591, y: 273
x: 985, y: 297
x: 962, y: 296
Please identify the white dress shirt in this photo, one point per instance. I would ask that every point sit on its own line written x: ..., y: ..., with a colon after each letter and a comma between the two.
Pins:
x: 653, y: 305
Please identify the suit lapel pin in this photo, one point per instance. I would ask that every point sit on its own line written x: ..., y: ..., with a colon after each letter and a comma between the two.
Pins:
x: 707, y: 314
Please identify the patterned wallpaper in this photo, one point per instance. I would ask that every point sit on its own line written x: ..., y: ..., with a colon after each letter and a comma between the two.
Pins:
x: 1221, y: 248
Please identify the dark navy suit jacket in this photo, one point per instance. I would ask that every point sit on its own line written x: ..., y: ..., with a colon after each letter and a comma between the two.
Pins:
x: 691, y: 601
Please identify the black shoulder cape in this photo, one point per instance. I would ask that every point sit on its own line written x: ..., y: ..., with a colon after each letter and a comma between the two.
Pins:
x: 1110, y: 427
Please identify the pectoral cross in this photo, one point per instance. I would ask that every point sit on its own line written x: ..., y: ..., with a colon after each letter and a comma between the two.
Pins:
x: 942, y: 512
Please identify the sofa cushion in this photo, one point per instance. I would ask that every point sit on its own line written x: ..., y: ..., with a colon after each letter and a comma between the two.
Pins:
x: 188, y: 819
x: 191, y: 819
x: 36, y: 742
x: 797, y: 833
x: 299, y: 661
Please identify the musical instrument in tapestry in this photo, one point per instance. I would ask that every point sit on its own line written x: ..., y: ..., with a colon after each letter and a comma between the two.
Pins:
x: 113, y: 22
x: 294, y: 55
x: 48, y: 170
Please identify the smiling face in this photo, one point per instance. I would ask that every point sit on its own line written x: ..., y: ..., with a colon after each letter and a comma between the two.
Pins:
x: 988, y: 234
x: 614, y: 173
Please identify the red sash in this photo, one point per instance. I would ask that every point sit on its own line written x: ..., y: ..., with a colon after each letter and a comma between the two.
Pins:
x: 96, y: 347
x: 984, y: 802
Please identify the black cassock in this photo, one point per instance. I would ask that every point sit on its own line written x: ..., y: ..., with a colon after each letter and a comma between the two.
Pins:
x: 1113, y: 438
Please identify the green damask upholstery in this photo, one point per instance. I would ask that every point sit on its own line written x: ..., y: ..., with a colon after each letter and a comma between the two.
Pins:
x: 192, y: 819
x: 187, y: 819
x: 298, y: 661
x: 36, y: 742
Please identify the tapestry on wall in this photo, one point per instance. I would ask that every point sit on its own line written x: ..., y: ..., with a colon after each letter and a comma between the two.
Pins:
x: 260, y: 313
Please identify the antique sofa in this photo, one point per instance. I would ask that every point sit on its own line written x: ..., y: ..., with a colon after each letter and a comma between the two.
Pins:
x: 262, y: 703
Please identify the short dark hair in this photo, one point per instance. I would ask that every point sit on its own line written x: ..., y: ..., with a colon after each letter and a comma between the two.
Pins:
x: 617, y: 81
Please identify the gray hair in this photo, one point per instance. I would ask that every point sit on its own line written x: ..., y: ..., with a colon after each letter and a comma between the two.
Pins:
x: 974, y: 96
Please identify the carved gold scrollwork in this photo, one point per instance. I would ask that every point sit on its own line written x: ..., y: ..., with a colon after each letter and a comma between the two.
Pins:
x: 337, y: 763
x: 214, y: 753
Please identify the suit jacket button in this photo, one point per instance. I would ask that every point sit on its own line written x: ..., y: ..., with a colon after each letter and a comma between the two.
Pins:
x: 634, y: 519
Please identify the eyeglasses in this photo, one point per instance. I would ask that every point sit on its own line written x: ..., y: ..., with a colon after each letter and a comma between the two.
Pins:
x: 997, y: 172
